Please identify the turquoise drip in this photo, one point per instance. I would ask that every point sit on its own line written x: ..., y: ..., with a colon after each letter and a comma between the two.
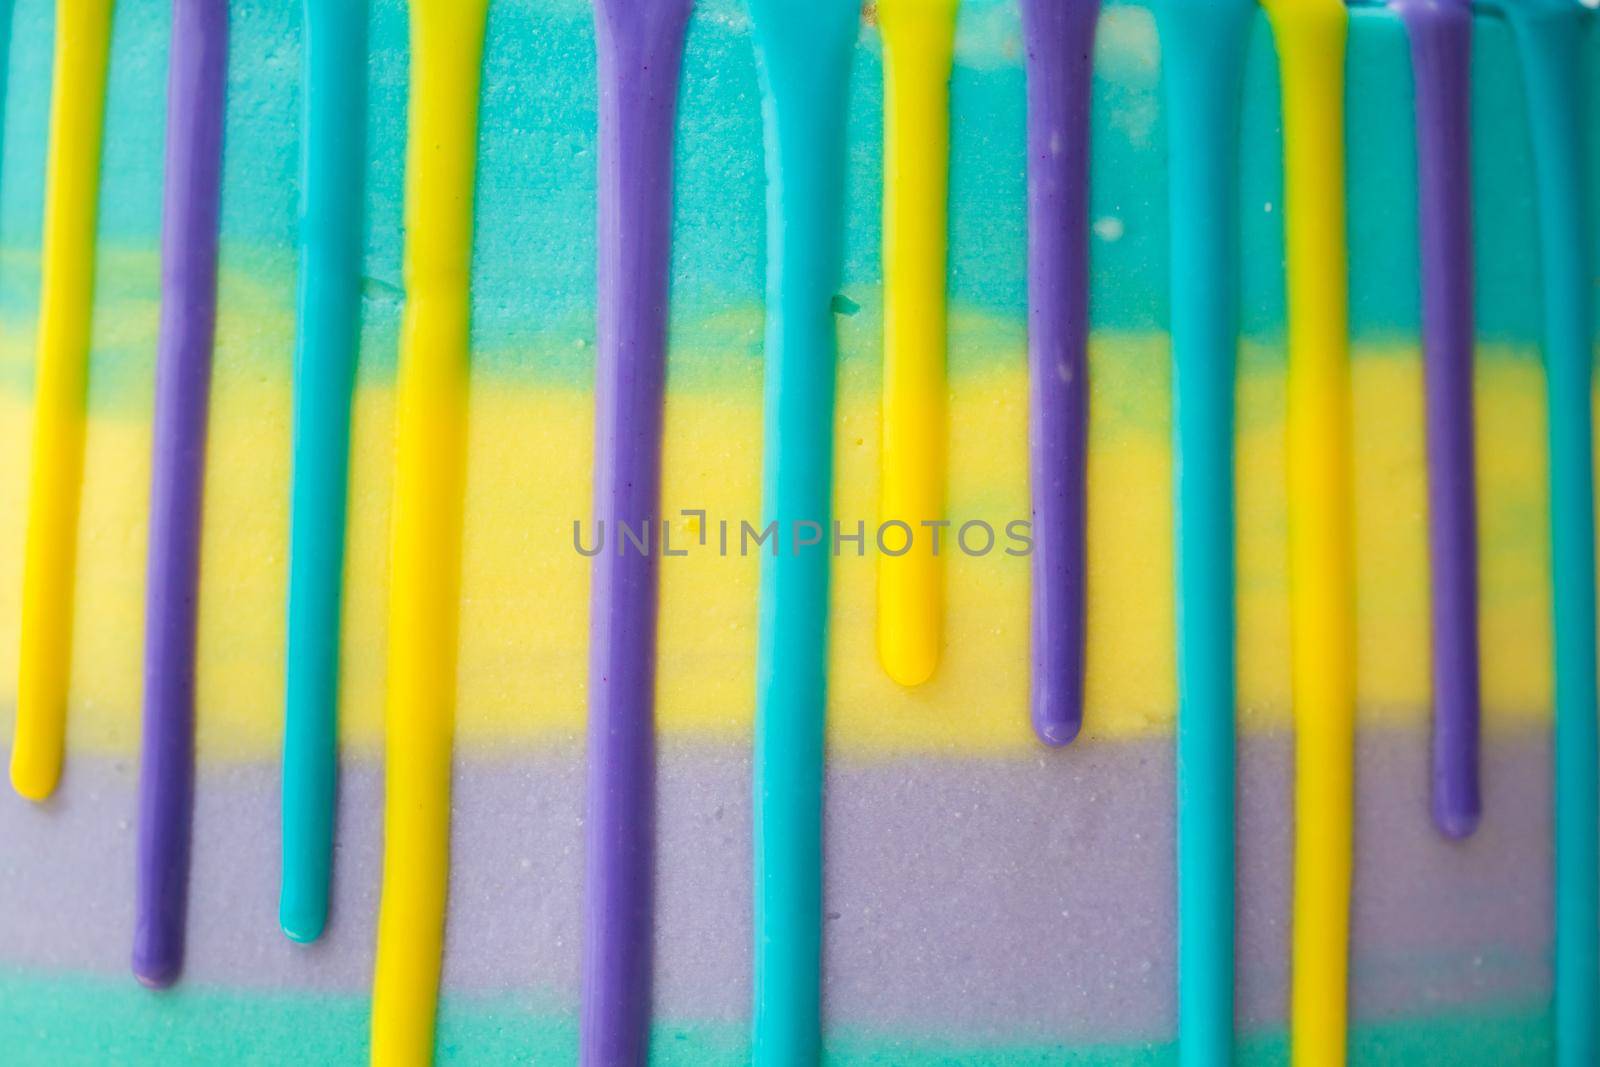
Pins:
x: 1550, y: 41
x: 804, y: 49
x: 328, y: 313
x: 1203, y: 47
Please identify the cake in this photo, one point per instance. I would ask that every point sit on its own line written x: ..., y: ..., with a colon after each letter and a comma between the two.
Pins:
x: 1243, y: 402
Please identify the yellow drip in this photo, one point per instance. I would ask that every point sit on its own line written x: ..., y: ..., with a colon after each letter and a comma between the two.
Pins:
x: 429, y: 489
x: 918, y: 48
x: 72, y: 189
x: 1310, y: 36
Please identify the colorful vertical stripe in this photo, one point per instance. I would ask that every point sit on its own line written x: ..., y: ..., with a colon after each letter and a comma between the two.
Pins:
x: 918, y: 50
x: 1059, y: 38
x: 1440, y: 33
x: 805, y: 53
x: 1550, y: 37
x: 60, y: 392
x: 640, y: 45
x: 425, y: 555
x: 1310, y: 37
x: 803, y: 50
x: 328, y: 336
x: 196, y: 89
x: 1203, y: 49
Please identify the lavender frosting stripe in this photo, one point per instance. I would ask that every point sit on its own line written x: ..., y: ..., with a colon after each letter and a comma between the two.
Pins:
x: 913, y: 846
x: 195, y: 94
x: 1059, y: 37
x: 1440, y: 33
x: 640, y: 52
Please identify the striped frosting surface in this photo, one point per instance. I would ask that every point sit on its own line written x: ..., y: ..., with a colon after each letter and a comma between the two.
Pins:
x: 530, y: 438
x: 1015, y: 901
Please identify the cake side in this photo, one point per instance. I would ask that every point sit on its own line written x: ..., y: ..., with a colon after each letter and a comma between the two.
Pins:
x: 934, y: 794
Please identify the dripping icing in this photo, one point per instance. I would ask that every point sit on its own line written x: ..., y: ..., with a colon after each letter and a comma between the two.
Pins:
x: 803, y: 53
x: 1549, y: 39
x: 328, y: 310
x: 196, y: 88
x: 918, y: 49
x: 1059, y: 39
x: 1440, y: 34
x: 640, y: 53
x: 66, y: 303
x: 425, y: 555
x: 1310, y: 36
x: 1203, y: 48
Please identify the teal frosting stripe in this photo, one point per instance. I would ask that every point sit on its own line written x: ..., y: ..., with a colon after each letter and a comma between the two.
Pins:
x: 54, y: 1020
x: 804, y: 49
x: 1204, y: 45
x: 1550, y: 42
x: 535, y: 251
x: 328, y: 317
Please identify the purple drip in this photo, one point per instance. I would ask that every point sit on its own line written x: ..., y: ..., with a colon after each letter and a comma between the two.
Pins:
x: 1059, y: 36
x: 1440, y: 32
x: 640, y: 52
x: 195, y: 95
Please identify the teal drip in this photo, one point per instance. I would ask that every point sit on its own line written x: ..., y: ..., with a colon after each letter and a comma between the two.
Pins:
x: 328, y: 314
x: 1203, y: 47
x: 804, y: 49
x: 1550, y: 38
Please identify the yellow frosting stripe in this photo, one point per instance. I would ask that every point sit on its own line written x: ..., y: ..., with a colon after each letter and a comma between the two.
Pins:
x: 918, y: 49
x: 429, y: 489
x: 1311, y: 37
x: 72, y: 189
x: 525, y: 589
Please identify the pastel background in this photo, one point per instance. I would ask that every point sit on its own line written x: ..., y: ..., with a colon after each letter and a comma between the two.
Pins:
x: 987, y: 901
